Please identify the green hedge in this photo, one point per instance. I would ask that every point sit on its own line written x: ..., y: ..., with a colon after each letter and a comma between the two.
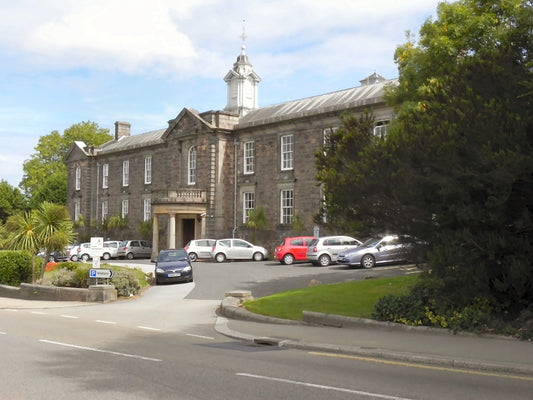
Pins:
x: 16, y: 267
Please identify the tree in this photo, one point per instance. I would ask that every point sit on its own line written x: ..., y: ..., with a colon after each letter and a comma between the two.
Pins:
x: 456, y: 167
x: 47, y: 228
x: 45, y: 170
x: 11, y: 200
x: 257, y: 221
x: 464, y: 134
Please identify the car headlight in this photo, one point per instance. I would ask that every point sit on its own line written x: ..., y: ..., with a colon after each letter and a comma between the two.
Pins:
x: 160, y: 270
x: 187, y: 269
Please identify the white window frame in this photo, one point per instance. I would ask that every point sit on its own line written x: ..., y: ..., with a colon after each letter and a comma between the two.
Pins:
x: 287, y: 152
x: 191, y: 166
x: 147, y: 209
x: 286, y: 206
x: 249, y: 157
x: 248, y: 204
x: 380, y: 130
x: 78, y: 178
x: 105, y: 210
x: 77, y: 210
x: 105, y: 176
x: 147, y: 170
x: 125, y: 208
x: 126, y: 173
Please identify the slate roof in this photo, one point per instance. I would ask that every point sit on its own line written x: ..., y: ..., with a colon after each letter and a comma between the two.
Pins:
x: 133, y: 141
x: 342, y: 99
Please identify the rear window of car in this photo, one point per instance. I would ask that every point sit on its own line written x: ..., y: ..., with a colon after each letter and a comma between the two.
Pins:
x: 297, y: 242
x: 313, y: 242
x: 308, y: 241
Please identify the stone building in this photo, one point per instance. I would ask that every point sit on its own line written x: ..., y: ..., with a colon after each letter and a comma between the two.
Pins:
x: 200, y: 176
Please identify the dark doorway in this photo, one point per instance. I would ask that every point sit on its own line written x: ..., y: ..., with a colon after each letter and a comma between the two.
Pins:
x: 188, y: 230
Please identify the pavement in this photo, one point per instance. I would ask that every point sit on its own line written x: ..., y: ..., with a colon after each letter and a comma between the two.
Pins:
x: 358, y: 338
x: 383, y: 340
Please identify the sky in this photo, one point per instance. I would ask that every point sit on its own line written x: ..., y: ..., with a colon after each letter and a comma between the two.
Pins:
x: 63, y: 62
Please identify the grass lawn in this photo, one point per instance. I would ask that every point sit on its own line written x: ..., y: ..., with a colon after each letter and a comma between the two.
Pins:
x: 353, y: 299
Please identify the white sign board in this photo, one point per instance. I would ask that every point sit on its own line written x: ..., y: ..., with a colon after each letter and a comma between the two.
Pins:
x: 97, y: 246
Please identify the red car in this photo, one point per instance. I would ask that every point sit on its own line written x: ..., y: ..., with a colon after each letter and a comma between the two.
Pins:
x: 293, y: 249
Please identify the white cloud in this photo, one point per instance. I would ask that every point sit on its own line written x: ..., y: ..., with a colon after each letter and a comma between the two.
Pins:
x: 195, y: 37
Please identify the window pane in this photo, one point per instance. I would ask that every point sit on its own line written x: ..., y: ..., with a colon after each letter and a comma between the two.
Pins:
x: 192, y: 166
x: 287, y: 206
x: 249, y: 148
x: 287, y: 151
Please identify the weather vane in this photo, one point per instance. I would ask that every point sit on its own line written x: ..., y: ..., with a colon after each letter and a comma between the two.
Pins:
x: 243, y: 34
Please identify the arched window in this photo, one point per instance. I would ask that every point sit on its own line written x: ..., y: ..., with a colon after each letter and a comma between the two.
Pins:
x: 192, y: 166
x: 78, y: 178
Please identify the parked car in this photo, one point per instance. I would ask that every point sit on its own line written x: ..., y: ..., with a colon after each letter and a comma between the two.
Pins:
x: 134, y: 249
x: 55, y: 256
x: 324, y: 251
x: 237, y: 249
x: 83, y: 252
x: 110, y: 249
x: 200, y: 248
x: 72, y: 252
x: 378, y: 250
x: 173, y: 266
x: 293, y: 249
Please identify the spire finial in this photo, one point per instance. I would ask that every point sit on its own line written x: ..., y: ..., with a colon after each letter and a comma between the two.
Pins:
x: 243, y: 36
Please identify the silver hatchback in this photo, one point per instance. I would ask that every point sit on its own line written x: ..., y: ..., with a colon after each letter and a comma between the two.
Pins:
x: 131, y: 249
x: 324, y: 251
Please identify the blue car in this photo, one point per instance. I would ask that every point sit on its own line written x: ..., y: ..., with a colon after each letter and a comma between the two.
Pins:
x: 385, y: 249
x: 173, y: 266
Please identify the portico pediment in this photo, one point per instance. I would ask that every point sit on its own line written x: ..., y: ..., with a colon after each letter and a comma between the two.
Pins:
x: 187, y: 123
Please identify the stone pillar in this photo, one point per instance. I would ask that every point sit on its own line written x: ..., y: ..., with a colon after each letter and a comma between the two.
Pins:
x: 202, y: 225
x: 172, y: 231
x: 155, y: 236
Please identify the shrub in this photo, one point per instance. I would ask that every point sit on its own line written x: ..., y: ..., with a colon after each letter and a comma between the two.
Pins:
x: 68, y: 277
x: 125, y: 283
x: 16, y: 267
x: 64, y: 277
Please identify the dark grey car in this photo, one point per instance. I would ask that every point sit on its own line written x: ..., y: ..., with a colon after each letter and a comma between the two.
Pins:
x: 378, y: 250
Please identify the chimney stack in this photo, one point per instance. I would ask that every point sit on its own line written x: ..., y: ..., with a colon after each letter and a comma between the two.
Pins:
x: 122, y: 129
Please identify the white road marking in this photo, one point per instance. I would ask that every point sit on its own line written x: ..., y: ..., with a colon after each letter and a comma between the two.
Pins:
x: 105, y: 322
x: 99, y: 350
x: 11, y: 309
x: 200, y: 336
x: 38, y: 312
x: 314, y: 385
x: 3, y: 333
x: 69, y: 316
x: 148, y: 328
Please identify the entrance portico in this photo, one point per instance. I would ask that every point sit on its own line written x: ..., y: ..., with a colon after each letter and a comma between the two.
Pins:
x: 183, y: 212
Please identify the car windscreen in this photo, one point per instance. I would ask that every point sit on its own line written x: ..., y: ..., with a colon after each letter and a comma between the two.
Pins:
x: 371, y: 242
x: 176, y: 255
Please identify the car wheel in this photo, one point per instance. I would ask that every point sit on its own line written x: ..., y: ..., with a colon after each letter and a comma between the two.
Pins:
x: 85, y: 257
x: 74, y: 258
x: 258, y: 256
x: 324, y: 260
x: 193, y: 256
x: 106, y: 256
x: 220, y: 257
x: 288, y: 259
x: 368, y: 261
x: 129, y: 256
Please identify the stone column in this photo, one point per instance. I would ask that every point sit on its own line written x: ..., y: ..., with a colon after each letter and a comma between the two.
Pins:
x: 155, y: 236
x: 172, y: 231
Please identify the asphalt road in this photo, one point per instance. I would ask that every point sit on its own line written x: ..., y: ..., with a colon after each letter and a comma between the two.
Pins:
x: 163, y: 345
